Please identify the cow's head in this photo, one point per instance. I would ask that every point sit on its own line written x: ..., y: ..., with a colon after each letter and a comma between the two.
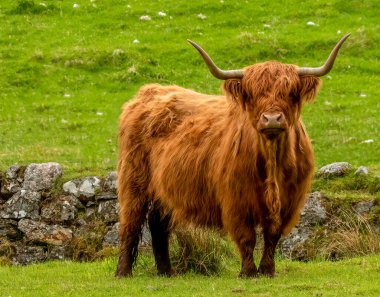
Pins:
x: 272, y: 93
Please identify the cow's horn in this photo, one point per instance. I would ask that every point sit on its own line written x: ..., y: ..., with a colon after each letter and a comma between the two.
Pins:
x: 323, y: 70
x: 215, y: 70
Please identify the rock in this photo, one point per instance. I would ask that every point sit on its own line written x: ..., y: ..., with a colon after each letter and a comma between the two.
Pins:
x: 361, y: 171
x: 146, y: 237
x: 112, y: 236
x: 9, y: 230
x: 71, y: 187
x: 59, y: 253
x: 85, y: 188
x: 86, y: 230
x: 313, y: 212
x: 89, y: 186
x: 110, y: 182
x: 91, y: 209
x: 334, y: 169
x: 1, y: 182
x: 40, y: 232
x: 364, y: 207
x: 109, y: 211
x: 12, y: 180
x: 29, y: 254
x: 145, y: 18
x: 23, y: 204
x: 41, y: 177
x: 106, y: 196
x: 292, y: 245
x: 63, y: 209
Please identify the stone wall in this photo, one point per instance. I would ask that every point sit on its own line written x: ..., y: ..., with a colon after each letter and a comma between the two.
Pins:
x: 42, y: 219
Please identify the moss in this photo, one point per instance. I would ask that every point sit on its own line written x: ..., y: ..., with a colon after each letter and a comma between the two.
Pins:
x: 86, y: 246
x: 363, y: 184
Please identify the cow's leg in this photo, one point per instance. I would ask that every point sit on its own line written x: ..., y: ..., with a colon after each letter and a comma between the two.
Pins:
x: 132, y: 216
x: 159, y: 228
x: 248, y: 267
x: 244, y: 235
x: 245, y: 239
x: 267, y: 264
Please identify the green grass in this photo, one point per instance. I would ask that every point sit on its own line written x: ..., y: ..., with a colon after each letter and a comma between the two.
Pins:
x: 66, y: 72
x: 350, y: 187
x: 353, y: 277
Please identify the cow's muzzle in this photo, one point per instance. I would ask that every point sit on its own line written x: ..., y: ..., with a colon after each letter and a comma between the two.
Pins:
x: 272, y: 125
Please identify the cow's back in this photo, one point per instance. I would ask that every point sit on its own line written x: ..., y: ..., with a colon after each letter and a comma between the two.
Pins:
x: 175, y: 133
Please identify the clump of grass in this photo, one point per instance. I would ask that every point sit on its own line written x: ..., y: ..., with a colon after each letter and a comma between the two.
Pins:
x: 107, y: 252
x: 7, y: 251
x: 354, y: 236
x: 87, y: 245
x: 4, y: 261
x: 95, y: 59
x: 30, y: 7
x: 200, y: 251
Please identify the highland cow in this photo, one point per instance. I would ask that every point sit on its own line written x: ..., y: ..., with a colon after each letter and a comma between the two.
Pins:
x: 233, y: 162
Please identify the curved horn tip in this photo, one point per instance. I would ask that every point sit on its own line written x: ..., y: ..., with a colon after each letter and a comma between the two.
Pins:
x: 215, y: 70
x: 324, y: 69
x: 192, y: 43
x: 345, y: 37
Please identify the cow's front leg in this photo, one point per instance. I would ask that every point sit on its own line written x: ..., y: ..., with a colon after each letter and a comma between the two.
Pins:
x: 248, y: 267
x: 267, y: 264
x: 244, y: 235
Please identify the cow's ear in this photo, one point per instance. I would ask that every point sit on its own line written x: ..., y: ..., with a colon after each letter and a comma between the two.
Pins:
x: 234, y: 91
x: 309, y: 86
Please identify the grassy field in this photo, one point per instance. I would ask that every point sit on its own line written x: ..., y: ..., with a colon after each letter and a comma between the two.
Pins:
x: 354, y: 277
x: 67, y: 69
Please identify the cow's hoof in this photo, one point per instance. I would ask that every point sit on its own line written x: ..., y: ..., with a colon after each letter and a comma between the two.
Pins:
x: 267, y: 271
x: 248, y: 274
x: 165, y: 272
x: 121, y: 274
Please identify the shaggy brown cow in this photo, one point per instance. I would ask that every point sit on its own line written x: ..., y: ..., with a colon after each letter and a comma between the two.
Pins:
x: 234, y: 164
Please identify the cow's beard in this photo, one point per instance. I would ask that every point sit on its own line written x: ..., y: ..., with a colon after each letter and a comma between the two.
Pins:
x: 272, y: 193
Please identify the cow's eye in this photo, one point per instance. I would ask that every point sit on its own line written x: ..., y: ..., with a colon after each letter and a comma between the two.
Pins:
x: 294, y: 96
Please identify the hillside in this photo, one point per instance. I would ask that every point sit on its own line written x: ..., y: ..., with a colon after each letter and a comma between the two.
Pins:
x: 67, y: 68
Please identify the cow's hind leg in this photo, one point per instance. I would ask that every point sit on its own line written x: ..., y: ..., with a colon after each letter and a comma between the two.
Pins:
x: 159, y: 227
x: 267, y: 264
x: 133, y: 212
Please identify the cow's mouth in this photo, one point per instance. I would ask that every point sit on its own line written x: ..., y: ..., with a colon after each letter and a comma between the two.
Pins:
x: 272, y: 132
